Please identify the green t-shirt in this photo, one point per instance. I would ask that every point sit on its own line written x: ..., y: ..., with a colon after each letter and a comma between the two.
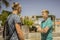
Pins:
x: 48, y: 35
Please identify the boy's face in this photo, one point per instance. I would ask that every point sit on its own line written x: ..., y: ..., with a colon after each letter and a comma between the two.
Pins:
x: 44, y: 14
x: 19, y: 9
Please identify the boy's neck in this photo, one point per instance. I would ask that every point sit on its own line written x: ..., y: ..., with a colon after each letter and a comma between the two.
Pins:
x: 15, y: 12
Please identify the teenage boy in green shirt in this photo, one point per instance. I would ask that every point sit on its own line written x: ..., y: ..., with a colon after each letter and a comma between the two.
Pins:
x: 46, y: 26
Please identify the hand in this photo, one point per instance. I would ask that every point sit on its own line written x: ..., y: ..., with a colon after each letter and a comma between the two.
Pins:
x: 39, y: 29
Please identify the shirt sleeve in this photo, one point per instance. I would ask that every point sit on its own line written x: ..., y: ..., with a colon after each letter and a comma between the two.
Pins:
x: 41, y: 24
x: 49, y: 23
x: 17, y: 19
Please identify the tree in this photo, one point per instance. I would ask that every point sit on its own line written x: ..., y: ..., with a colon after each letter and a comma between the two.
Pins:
x: 5, y: 2
x: 4, y: 16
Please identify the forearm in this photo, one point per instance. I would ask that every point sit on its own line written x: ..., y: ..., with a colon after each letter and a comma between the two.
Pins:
x: 20, y: 34
x: 43, y: 30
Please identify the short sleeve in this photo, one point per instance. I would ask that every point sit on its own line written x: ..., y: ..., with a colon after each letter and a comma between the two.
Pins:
x: 41, y: 24
x: 49, y: 23
x: 17, y: 19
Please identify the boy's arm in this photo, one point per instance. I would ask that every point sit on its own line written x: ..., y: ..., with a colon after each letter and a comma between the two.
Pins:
x: 19, y: 31
x: 18, y: 28
x: 45, y: 30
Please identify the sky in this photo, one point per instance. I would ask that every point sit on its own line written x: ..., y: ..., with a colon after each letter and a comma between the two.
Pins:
x: 34, y: 7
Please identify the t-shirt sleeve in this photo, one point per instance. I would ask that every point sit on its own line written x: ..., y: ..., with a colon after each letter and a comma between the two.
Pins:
x: 41, y: 24
x: 49, y: 23
x: 17, y: 19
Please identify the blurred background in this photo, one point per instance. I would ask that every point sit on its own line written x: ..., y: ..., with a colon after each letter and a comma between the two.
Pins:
x: 32, y: 8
